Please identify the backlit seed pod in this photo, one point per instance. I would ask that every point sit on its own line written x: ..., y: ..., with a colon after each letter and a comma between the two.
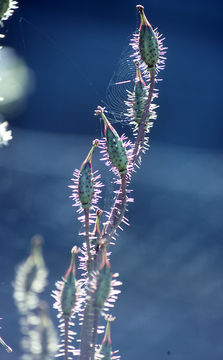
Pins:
x: 68, y: 291
x: 106, y: 345
x: 116, y: 150
x: 104, y: 281
x: 137, y: 99
x: 148, y: 41
x: 86, y: 180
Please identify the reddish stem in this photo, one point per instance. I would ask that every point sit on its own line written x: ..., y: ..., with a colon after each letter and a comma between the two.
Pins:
x: 117, y: 212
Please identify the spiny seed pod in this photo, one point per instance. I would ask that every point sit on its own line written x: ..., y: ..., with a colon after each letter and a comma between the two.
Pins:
x: 140, y: 96
x: 137, y: 99
x: 86, y: 180
x: 115, y: 147
x: 104, y: 279
x: 68, y: 292
x: 106, y: 347
x: 7, y: 8
x: 148, y: 41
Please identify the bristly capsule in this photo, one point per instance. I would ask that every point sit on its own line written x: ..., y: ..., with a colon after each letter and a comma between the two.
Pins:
x: 104, y: 281
x: 136, y: 106
x: 137, y: 99
x: 86, y: 189
x: 105, y: 350
x: 68, y: 292
x: 148, y: 45
x: 115, y: 146
x: 148, y: 41
x: 86, y: 179
x: 67, y: 304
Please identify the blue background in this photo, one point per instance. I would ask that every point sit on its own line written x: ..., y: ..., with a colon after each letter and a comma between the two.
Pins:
x: 170, y: 259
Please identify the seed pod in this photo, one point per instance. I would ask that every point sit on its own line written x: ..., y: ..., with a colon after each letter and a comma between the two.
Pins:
x: 116, y: 150
x: 106, y: 347
x: 86, y: 180
x: 139, y: 97
x: 104, y: 278
x: 68, y: 292
x: 148, y: 41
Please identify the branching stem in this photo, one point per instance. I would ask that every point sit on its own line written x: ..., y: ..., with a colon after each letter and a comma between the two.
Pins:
x: 118, y: 210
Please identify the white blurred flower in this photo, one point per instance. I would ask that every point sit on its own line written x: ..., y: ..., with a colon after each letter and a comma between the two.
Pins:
x: 5, y: 135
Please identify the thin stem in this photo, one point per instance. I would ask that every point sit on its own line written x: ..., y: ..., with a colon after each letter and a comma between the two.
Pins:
x: 118, y: 210
x: 66, y: 343
x: 141, y: 132
x: 86, y: 332
x: 7, y: 348
x: 87, y: 240
x: 94, y: 337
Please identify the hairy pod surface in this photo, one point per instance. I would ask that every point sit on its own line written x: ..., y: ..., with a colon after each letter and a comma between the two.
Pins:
x: 116, y: 150
x: 68, y: 292
x: 106, y: 345
x: 104, y: 282
x: 86, y: 180
x: 148, y: 41
x: 138, y: 98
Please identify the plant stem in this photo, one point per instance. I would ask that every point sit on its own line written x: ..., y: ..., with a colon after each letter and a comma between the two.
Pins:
x: 66, y: 329
x: 94, y: 336
x: 87, y: 240
x: 141, y: 132
x: 117, y: 212
x: 86, y: 333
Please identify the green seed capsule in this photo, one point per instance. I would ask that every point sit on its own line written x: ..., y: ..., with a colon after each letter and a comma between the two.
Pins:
x: 148, y: 42
x: 116, y: 150
x: 68, y: 292
x: 140, y: 96
x: 86, y: 180
x: 103, y: 282
x: 106, y: 347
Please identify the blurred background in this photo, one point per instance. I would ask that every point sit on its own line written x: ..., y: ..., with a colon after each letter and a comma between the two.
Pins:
x: 57, y: 62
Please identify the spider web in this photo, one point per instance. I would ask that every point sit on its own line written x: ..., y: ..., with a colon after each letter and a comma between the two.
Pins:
x: 122, y: 81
